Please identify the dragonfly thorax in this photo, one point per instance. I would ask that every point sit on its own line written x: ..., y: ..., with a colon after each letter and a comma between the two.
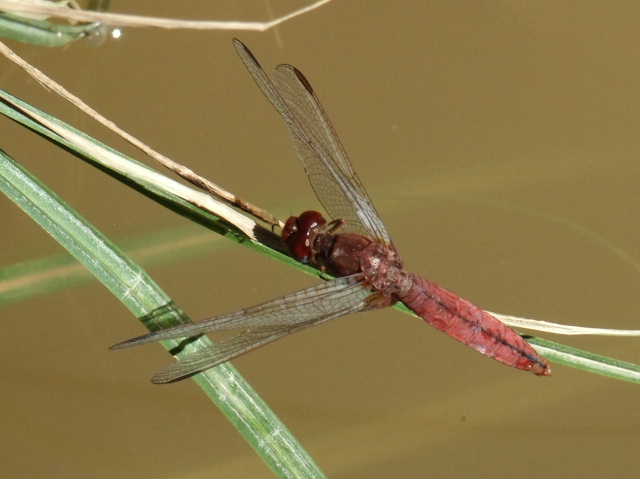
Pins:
x: 383, y: 271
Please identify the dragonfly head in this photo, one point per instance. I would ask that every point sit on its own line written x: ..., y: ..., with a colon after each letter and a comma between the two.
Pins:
x: 298, y: 233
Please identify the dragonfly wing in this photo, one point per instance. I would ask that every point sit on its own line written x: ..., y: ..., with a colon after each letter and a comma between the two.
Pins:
x: 262, y: 324
x: 326, y: 163
x: 224, y: 351
x: 258, y: 329
x: 298, y: 307
x: 236, y: 346
x: 332, y: 177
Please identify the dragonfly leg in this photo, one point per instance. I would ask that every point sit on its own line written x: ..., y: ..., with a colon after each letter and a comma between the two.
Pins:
x: 332, y: 226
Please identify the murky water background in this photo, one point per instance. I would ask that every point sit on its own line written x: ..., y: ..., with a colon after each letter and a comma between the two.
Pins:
x: 500, y: 143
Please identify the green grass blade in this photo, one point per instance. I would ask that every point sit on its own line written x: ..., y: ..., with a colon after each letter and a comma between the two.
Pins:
x: 131, y: 285
x: 587, y: 361
x: 42, y: 32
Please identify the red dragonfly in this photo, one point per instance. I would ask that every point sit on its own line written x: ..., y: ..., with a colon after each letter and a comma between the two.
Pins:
x: 354, y: 246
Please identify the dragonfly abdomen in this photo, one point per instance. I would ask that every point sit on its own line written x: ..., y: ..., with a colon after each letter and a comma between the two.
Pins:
x: 471, y: 325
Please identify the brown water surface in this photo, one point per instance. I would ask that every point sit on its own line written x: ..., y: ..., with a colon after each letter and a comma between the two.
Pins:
x: 500, y: 143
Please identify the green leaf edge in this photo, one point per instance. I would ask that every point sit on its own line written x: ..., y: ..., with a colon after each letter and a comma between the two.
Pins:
x: 42, y: 32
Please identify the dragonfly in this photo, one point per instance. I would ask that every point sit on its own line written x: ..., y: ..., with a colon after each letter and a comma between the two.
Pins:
x: 353, y: 245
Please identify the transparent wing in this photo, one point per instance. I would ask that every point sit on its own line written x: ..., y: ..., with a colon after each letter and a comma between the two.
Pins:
x: 326, y: 163
x: 289, y: 310
x: 262, y: 324
x: 224, y: 351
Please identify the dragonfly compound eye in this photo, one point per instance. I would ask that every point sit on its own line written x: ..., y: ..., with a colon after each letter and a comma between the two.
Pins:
x: 298, y: 232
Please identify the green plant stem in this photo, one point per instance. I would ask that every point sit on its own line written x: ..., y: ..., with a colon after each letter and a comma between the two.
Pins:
x: 41, y: 32
x: 269, y: 437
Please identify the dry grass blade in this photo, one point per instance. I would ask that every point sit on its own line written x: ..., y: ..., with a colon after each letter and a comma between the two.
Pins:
x: 181, y: 170
x: 118, y: 19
